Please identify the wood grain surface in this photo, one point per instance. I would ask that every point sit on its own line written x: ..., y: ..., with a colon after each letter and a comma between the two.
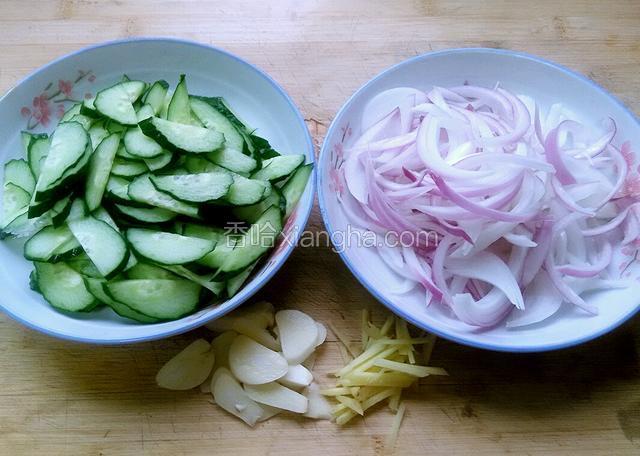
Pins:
x: 60, y: 398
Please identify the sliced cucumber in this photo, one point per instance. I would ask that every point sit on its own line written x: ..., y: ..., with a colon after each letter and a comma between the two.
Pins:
x: 204, y: 281
x: 182, y: 138
x: 95, y: 287
x: 97, y: 133
x: 127, y: 168
x: 195, y: 188
x: 162, y: 299
x: 63, y: 287
x: 294, y: 187
x: 116, y: 102
x: 233, y: 160
x: 150, y: 271
x: 15, y: 201
x: 235, y: 283
x: 168, y: 248
x: 17, y: 172
x: 83, y: 264
x: 244, y: 191
x: 212, y: 118
x: 72, y: 111
x: 118, y: 189
x: 179, y: 109
x: 144, y: 112
x: 250, y: 246
x: 123, y: 153
x: 143, y: 191
x: 146, y: 215
x: 253, y: 212
x: 51, y: 245
x: 87, y: 108
x: 140, y: 145
x: 100, y: 166
x: 77, y: 210
x: 37, y: 151
x: 276, y: 168
x: 155, y: 95
x: 203, y: 232
x: 83, y: 120
x: 60, y: 211
x: 103, y: 244
x: 161, y: 161
x: 70, y: 145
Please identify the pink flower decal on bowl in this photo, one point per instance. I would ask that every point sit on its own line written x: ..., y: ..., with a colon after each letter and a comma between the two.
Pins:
x: 54, y: 100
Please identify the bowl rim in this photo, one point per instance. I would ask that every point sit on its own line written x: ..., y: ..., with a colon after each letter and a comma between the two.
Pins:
x: 278, y: 260
x: 324, y: 151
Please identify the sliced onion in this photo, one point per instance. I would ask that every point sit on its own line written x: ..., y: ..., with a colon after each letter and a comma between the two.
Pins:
x: 512, y: 204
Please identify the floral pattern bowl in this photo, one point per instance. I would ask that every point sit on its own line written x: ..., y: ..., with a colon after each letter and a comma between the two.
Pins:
x: 548, y: 83
x: 38, y: 102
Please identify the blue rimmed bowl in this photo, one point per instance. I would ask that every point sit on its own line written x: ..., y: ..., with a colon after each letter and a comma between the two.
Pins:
x: 38, y: 101
x: 521, y: 73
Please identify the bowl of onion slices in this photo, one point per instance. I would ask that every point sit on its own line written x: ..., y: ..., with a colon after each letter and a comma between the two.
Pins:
x: 490, y: 197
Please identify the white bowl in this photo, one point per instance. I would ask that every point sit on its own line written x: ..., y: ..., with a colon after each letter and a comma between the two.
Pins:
x: 254, y: 95
x: 524, y: 74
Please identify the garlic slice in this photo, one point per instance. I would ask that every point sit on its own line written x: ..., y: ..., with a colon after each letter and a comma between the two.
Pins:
x: 187, y: 369
x: 297, y: 376
x: 260, y: 314
x: 228, y: 394
x: 255, y: 364
x: 322, y: 334
x: 298, y: 335
x: 276, y: 395
x: 220, y: 346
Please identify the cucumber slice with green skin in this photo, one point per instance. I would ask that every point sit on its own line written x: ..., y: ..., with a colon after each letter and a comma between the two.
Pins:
x: 70, y: 144
x: 212, y: 118
x: 78, y: 210
x: 160, y: 162
x: 97, y: 133
x: 198, y: 164
x: 203, y: 232
x: 102, y: 214
x: 60, y: 211
x: 17, y: 172
x: 99, y: 170
x: 253, y: 212
x: 155, y: 95
x: 204, y: 281
x: 95, y: 287
x: 83, y: 264
x: 234, y: 284
x: 167, y: 248
x: 194, y: 188
x: 277, y: 168
x: 51, y: 245
x: 127, y: 168
x: 143, y: 191
x: 37, y: 150
x: 179, y: 109
x: 83, y: 120
x: 116, y: 102
x: 294, y: 187
x: 220, y: 105
x: 250, y: 246
x: 232, y: 160
x: 25, y: 137
x: 146, y: 215
x: 139, y: 145
x: 182, y: 138
x: 243, y: 191
x: 87, y: 108
x: 123, y: 153
x: 63, y: 287
x: 144, y: 112
x: 72, y: 111
x: 118, y: 188
x: 15, y: 201
x: 162, y: 299
x: 114, y: 127
x: 103, y: 244
x: 150, y: 271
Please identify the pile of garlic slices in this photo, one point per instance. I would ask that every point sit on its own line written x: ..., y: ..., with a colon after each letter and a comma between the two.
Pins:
x: 257, y: 367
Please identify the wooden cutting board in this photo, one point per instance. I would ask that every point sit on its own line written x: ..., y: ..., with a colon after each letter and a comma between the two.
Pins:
x: 60, y: 398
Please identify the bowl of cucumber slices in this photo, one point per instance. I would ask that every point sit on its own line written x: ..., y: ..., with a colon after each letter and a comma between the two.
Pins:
x: 149, y: 187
